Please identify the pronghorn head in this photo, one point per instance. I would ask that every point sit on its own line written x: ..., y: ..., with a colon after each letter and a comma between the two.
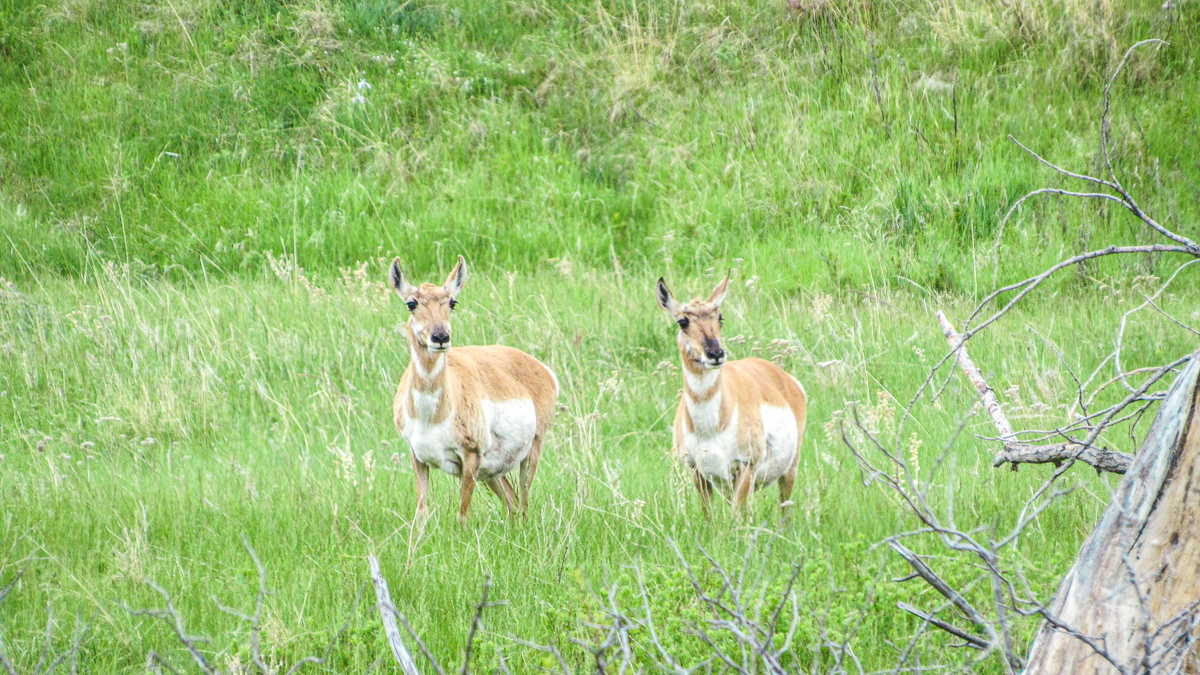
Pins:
x: 429, y: 306
x: 699, y: 324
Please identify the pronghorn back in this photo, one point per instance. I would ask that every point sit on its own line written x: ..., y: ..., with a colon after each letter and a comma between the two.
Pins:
x: 762, y: 382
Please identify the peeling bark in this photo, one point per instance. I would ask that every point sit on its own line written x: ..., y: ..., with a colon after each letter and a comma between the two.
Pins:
x: 1135, y: 588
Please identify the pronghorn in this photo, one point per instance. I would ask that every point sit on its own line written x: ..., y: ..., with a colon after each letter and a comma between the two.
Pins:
x: 474, y: 412
x: 740, y: 423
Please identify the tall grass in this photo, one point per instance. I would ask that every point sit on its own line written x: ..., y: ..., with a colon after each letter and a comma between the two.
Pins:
x: 149, y: 424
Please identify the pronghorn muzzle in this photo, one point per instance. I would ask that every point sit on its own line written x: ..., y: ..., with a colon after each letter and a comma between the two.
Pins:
x: 439, y: 339
x: 713, y: 352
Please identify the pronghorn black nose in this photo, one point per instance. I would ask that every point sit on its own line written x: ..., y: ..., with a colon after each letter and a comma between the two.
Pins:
x: 440, y: 338
x: 717, y: 354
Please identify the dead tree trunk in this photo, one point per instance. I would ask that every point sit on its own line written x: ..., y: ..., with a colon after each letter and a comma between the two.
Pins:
x: 1129, y: 605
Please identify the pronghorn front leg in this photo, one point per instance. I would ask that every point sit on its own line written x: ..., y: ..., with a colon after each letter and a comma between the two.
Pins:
x: 705, y: 489
x: 743, y: 487
x: 422, y: 471
x: 470, y: 470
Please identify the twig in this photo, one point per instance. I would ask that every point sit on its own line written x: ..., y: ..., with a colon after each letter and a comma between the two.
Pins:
x: 476, y: 623
x: 936, y: 582
x: 971, y: 639
x: 173, y: 619
x: 336, y: 637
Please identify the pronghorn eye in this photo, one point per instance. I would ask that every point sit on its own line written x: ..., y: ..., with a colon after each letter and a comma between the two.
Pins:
x: 683, y: 323
x: 412, y: 305
x: 453, y: 303
x: 721, y: 319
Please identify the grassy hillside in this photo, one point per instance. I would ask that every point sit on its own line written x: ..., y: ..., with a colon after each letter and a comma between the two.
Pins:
x: 198, y: 201
x: 192, y: 134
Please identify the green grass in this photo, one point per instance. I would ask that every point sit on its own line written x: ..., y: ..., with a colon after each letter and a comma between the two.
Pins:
x: 269, y: 408
x: 191, y: 350
x: 195, y: 133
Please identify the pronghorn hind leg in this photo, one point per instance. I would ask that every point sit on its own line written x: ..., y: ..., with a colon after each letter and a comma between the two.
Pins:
x: 742, y: 489
x: 422, y: 471
x: 528, y: 469
x: 504, y: 490
x: 470, y: 469
x: 786, y: 482
x: 705, y: 489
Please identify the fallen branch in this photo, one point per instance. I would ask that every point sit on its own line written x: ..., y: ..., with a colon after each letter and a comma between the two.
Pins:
x: 1015, y: 452
x: 390, y: 629
x: 971, y: 640
x: 922, y: 570
x: 175, y: 620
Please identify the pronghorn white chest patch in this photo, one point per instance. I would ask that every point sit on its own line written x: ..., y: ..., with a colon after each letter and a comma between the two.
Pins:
x: 433, y: 442
x: 713, y: 451
x: 710, y: 449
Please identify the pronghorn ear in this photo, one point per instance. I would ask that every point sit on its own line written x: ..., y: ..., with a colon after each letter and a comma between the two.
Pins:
x: 458, y: 277
x: 399, y: 283
x: 718, y: 294
x: 664, y: 297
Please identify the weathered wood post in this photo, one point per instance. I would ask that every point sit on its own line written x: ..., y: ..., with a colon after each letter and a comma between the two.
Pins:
x: 1129, y: 605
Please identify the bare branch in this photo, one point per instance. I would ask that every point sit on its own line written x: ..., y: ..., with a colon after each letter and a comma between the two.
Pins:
x: 173, y: 619
x: 971, y: 639
x: 384, y: 599
x: 476, y: 623
x: 336, y: 637
x: 1014, y: 452
x: 936, y: 582
x: 1031, y: 283
x: 255, y: 628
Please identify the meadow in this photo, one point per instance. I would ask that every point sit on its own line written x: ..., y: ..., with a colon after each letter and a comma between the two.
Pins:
x: 199, y: 201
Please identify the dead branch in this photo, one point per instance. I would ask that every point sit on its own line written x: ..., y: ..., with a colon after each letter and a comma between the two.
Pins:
x: 8, y: 666
x: 476, y: 623
x: 332, y: 642
x: 922, y: 570
x: 971, y: 640
x: 1014, y: 452
x: 994, y: 625
x: 390, y: 629
x: 255, y: 628
x: 173, y: 619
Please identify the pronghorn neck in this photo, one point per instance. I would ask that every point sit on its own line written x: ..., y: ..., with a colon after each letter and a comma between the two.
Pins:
x: 702, y: 394
x: 428, y: 383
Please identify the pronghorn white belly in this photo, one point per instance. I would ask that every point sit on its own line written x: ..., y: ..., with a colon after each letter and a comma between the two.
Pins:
x: 781, y: 436
x: 511, y: 425
x: 718, y: 457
